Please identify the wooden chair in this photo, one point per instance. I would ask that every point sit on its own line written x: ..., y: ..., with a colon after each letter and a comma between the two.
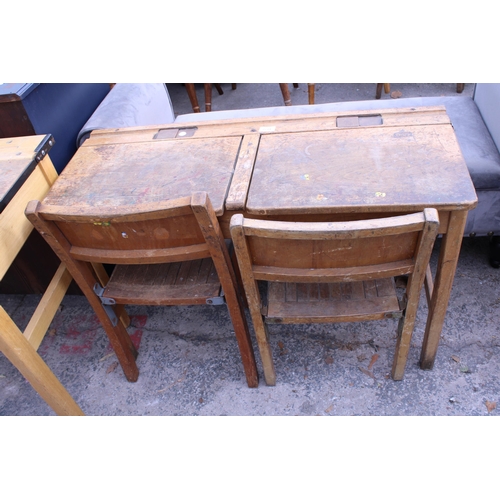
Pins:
x: 378, y: 92
x: 191, y: 91
x: 387, y: 89
x: 324, y: 272
x: 169, y: 253
x: 207, y: 87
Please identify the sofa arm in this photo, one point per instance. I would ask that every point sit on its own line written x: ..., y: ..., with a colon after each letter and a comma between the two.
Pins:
x: 130, y: 105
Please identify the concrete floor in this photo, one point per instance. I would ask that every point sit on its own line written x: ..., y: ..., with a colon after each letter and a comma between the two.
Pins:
x: 188, y: 357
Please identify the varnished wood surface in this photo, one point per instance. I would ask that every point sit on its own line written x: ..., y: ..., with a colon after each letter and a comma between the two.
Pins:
x: 128, y: 176
x: 17, y: 161
x: 318, y: 167
x: 425, y: 115
x: 327, y: 302
x: 360, y: 169
x: 190, y: 282
x: 26, y: 175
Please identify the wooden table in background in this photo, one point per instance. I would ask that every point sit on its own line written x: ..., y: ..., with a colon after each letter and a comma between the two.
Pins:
x: 27, y: 173
x: 320, y: 167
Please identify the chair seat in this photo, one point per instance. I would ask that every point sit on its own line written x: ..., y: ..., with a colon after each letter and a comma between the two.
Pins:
x: 332, y: 302
x: 175, y: 283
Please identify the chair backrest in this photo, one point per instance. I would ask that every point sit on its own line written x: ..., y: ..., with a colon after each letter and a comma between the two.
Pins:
x: 336, y: 251
x: 165, y: 232
x: 171, y: 231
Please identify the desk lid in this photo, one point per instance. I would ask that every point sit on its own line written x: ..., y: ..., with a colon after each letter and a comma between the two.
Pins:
x: 122, y: 177
x: 360, y: 170
x: 18, y: 158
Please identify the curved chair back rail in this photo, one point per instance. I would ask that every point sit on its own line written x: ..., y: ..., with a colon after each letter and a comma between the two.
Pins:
x: 310, y: 264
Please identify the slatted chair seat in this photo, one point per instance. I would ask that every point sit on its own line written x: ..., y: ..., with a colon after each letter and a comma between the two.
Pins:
x: 334, y: 272
x: 332, y: 302
x: 167, y: 253
x: 174, y: 283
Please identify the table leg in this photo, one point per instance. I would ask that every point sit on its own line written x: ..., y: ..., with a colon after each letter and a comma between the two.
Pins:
x: 447, y: 264
x: 24, y: 357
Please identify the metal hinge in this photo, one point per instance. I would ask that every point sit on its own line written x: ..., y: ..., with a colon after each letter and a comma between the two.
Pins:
x: 402, y: 309
x: 395, y: 315
x: 107, y: 303
x: 217, y: 301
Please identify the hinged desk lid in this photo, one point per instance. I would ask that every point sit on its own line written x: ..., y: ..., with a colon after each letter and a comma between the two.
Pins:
x: 400, y: 167
x: 124, y: 175
x: 18, y: 158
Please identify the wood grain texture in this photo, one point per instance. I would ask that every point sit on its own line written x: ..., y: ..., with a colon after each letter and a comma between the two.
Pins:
x: 331, y: 302
x: 309, y: 280
x: 360, y: 170
x: 130, y: 176
x: 18, y: 159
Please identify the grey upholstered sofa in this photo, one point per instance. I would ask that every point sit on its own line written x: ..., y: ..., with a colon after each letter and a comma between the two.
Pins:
x: 476, y: 122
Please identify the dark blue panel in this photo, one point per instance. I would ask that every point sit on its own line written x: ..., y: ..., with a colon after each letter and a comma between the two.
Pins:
x: 62, y: 109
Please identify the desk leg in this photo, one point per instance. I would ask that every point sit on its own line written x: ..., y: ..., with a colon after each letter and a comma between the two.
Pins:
x: 23, y: 356
x: 447, y: 264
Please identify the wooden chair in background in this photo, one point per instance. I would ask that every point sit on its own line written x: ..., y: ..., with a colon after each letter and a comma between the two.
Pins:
x: 191, y: 91
x: 385, y: 86
x: 387, y: 89
x: 311, y: 88
x: 323, y: 272
x: 170, y: 253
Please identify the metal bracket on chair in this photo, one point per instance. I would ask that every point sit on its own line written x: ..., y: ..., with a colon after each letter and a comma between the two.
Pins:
x: 217, y: 301
x: 402, y: 309
x: 394, y: 315
x: 107, y: 304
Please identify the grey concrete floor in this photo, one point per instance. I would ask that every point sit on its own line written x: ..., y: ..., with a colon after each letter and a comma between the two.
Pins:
x: 188, y: 357
x: 259, y: 95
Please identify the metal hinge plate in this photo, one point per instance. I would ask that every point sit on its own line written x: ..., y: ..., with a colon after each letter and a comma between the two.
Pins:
x: 107, y: 304
x: 217, y: 301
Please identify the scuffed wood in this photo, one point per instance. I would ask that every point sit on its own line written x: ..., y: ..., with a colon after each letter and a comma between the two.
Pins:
x: 240, y: 183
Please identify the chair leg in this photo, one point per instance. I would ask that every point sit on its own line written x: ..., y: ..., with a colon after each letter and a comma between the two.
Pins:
x: 380, y: 86
x: 460, y: 87
x: 191, y: 91
x: 218, y: 88
x: 208, y: 96
x: 84, y: 275
x: 266, y: 356
x: 207, y: 219
x: 286, y: 94
x: 295, y: 85
x: 310, y: 89
x: 407, y: 322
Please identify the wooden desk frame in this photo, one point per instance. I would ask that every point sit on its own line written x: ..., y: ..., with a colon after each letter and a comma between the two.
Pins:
x: 21, y: 347
x: 452, y: 214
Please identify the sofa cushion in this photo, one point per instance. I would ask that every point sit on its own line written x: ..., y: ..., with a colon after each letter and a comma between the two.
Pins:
x: 480, y: 153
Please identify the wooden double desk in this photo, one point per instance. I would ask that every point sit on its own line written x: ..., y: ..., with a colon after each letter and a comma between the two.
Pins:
x: 318, y: 167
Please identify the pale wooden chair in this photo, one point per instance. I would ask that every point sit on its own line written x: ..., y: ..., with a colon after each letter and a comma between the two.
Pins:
x: 322, y: 272
x: 169, y: 253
